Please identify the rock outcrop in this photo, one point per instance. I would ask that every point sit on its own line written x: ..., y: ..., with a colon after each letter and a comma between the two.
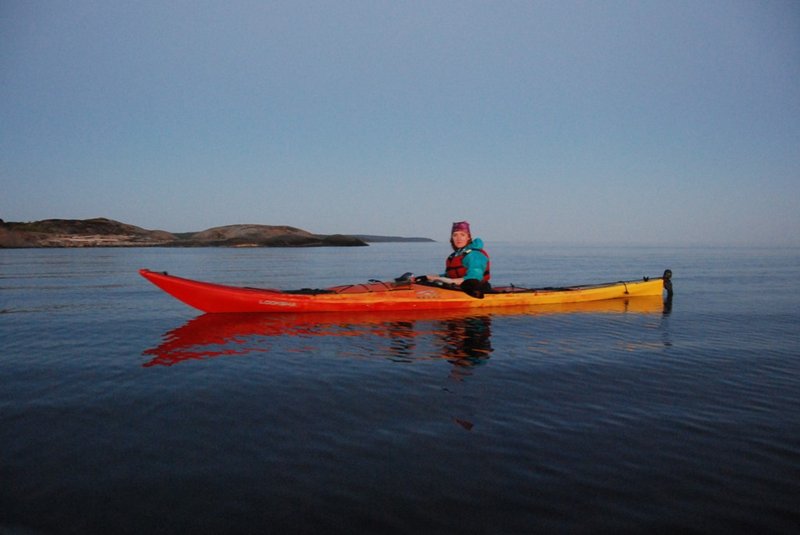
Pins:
x: 266, y: 236
x: 98, y: 232
x: 102, y: 232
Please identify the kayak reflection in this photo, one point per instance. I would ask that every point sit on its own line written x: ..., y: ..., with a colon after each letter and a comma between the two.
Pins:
x: 410, y: 338
x: 462, y: 339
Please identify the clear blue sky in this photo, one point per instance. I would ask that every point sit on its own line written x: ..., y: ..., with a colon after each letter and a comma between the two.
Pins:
x: 561, y: 121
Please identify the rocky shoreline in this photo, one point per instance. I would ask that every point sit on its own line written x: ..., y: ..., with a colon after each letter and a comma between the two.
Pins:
x: 102, y: 232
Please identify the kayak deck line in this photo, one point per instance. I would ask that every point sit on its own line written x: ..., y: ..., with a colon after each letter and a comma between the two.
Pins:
x: 390, y: 287
x: 401, y: 294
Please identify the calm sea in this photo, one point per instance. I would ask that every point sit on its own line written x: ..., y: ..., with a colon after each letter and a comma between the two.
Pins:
x: 124, y: 411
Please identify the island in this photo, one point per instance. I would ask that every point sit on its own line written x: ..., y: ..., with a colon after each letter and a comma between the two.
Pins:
x: 103, y: 232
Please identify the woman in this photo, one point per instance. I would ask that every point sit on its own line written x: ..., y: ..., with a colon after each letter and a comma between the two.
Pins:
x: 468, y: 264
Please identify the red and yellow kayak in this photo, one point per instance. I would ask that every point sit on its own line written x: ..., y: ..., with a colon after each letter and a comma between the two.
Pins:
x: 405, y: 294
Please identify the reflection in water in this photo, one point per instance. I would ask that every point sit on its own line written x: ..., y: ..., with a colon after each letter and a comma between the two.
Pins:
x: 403, y: 344
x: 466, y: 343
x: 668, y: 305
x: 667, y: 340
x: 461, y: 340
x: 464, y: 339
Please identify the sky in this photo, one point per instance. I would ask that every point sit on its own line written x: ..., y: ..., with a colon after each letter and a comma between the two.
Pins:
x: 568, y: 122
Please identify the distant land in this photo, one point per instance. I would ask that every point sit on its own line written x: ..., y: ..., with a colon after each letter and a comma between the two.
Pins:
x: 102, y: 232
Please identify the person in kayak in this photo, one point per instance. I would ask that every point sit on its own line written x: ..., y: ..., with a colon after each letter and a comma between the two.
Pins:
x: 468, y: 264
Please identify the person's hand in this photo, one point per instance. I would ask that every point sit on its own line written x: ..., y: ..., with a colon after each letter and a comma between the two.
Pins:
x: 444, y: 280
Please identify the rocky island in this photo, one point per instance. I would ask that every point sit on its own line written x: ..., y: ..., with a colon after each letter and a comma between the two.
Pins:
x: 102, y: 232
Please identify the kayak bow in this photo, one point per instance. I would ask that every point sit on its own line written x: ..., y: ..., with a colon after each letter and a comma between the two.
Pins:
x: 404, y: 294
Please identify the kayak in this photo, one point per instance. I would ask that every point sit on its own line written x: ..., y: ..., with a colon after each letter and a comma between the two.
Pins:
x: 405, y: 293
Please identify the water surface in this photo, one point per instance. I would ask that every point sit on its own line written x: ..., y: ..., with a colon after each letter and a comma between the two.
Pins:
x: 122, y: 410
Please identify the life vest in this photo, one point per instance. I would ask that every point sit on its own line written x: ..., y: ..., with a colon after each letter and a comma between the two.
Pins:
x: 455, y: 268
